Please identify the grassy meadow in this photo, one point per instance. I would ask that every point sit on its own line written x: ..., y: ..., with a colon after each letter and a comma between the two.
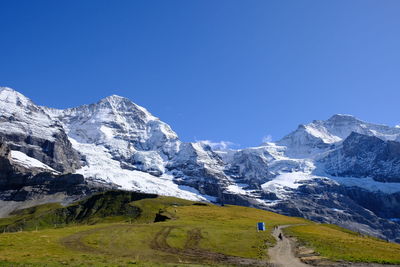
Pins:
x: 129, y: 229
x: 337, y: 244
x: 195, y: 233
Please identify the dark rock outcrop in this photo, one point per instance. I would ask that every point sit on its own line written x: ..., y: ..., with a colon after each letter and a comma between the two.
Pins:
x: 365, y: 156
x: 57, y: 153
x: 352, y: 208
x: 19, y: 184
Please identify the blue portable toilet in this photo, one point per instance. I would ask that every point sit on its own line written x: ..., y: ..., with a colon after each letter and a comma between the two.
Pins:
x: 260, y: 226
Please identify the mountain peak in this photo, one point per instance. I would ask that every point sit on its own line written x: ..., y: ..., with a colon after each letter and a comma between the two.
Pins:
x: 115, y: 97
x: 343, y: 117
x: 10, y: 96
x: 119, y: 103
x: 5, y: 88
x: 7, y: 91
x: 340, y: 115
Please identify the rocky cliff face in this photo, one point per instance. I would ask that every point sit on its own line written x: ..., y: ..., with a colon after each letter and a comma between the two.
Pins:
x: 341, y: 170
x: 350, y: 207
x: 365, y: 156
x: 25, y: 183
x: 6, y: 169
x: 26, y: 127
x: 250, y: 166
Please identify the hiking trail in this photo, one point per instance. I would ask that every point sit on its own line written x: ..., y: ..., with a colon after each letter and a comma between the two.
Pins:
x: 282, y: 254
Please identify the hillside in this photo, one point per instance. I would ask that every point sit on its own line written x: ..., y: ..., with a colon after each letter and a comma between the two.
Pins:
x: 120, y: 228
x: 338, y: 244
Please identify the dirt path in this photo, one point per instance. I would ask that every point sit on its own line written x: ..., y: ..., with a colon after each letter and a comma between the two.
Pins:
x: 191, y: 252
x: 282, y: 254
x: 195, y: 254
x: 74, y: 241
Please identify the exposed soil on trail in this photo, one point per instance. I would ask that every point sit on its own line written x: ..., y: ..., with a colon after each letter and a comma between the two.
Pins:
x: 191, y: 251
x: 287, y: 253
x: 282, y: 254
x: 74, y: 242
x: 193, y: 238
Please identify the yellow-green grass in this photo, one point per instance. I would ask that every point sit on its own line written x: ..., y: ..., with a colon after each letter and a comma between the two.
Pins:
x: 44, y: 248
x: 337, y: 243
x: 208, y: 229
x: 229, y: 230
x: 32, y: 214
x: 125, y: 245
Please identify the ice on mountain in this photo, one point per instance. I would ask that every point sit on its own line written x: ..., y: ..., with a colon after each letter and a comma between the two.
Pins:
x: 28, y: 162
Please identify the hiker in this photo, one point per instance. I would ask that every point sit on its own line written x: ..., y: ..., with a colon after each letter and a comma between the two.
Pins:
x: 280, y: 236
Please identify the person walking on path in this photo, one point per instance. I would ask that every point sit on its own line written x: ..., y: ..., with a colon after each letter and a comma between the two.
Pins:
x: 283, y: 253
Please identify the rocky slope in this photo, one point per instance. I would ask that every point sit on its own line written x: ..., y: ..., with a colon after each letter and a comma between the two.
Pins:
x: 26, y: 127
x: 25, y: 182
x: 365, y: 156
x: 341, y: 170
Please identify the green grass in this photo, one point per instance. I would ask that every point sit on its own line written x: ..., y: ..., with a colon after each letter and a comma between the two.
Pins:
x: 120, y: 247
x: 111, y: 206
x: 116, y: 239
x: 231, y: 230
x: 118, y: 229
x: 337, y: 243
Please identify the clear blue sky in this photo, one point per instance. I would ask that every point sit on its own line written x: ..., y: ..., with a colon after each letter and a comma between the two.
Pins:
x: 212, y: 69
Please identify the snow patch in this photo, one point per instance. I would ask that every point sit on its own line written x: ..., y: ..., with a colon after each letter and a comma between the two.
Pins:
x: 368, y: 184
x: 285, y: 182
x: 218, y: 146
x: 237, y: 188
x: 29, y: 162
x: 321, y: 133
x: 100, y: 165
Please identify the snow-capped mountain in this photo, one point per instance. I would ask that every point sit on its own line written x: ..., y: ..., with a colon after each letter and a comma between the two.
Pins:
x: 341, y: 170
x: 125, y: 145
x: 310, y: 139
x: 29, y: 129
x: 128, y: 132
